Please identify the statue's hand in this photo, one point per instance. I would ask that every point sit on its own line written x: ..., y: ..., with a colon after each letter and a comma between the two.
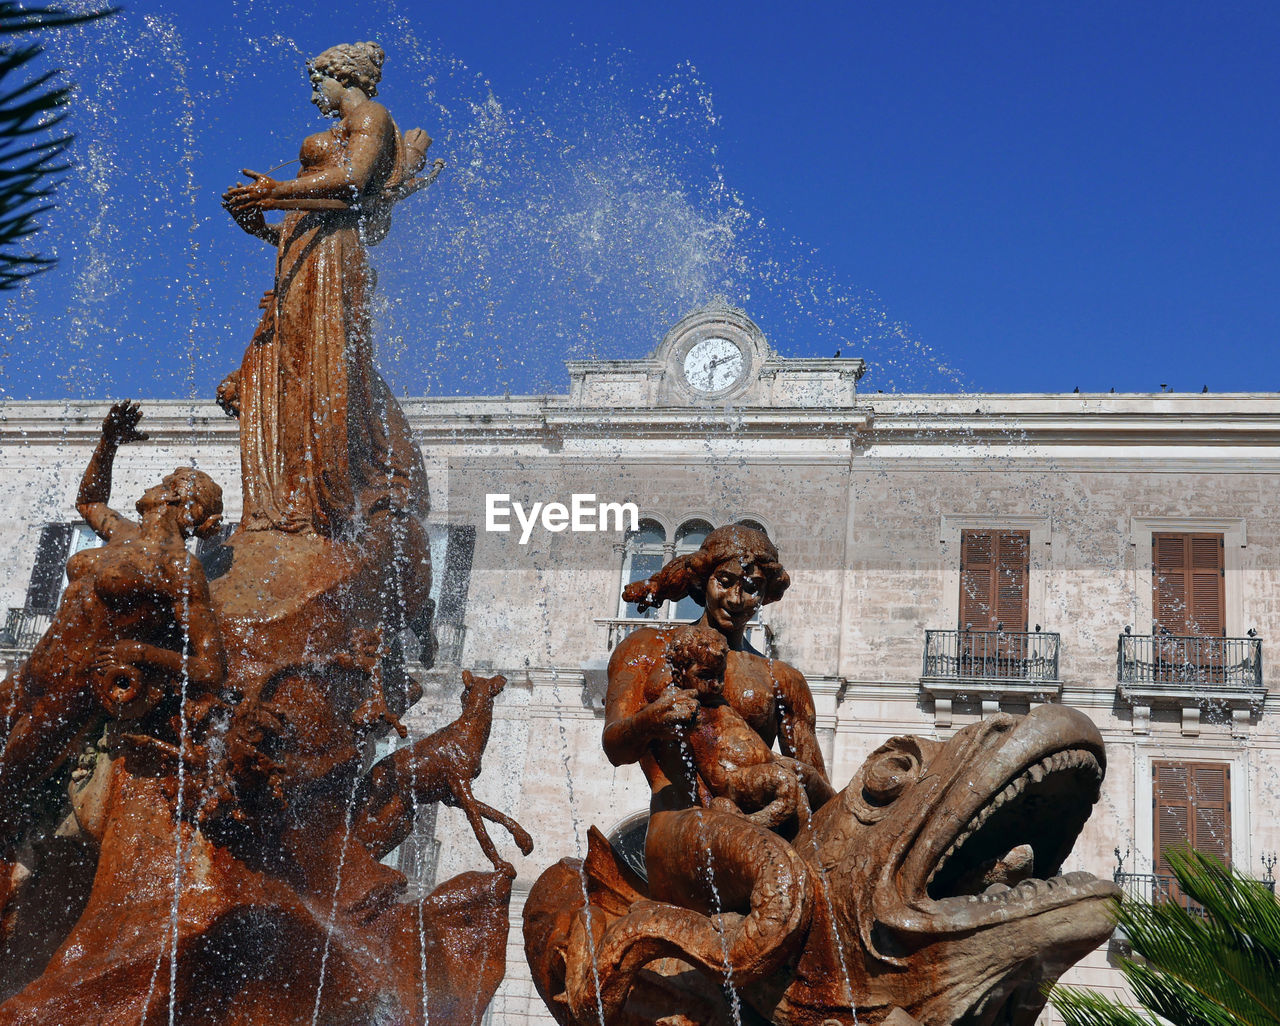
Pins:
x: 416, y: 144
x: 228, y: 396
x: 120, y: 426
x: 674, y: 708
x: 642, y: 593
x: 246, y: 201
x: 119, y: 684
x: 108, y: 655
x: 250, y: 219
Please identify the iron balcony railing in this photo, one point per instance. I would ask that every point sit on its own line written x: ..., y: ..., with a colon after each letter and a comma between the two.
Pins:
x: 450, y: 638
x: 22, y: 629
x: 1159, y: 888
x: 1170, y: 659
x: 991, y: 655
x: 759, y: 636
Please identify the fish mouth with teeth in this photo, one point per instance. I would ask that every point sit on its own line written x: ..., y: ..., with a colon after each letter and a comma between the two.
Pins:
x: 942, y: 862
x: 933, y: 889
x: 1020, y: 837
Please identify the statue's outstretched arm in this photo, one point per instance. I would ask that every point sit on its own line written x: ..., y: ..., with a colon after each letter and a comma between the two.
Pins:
x: 344, y: 181
x: 119, y: 427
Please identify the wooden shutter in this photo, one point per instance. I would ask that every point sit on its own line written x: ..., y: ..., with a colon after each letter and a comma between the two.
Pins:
x: 1188, y: 585
x: 46, y: 575
x: 994, y: 569
x: 1207, y: 598
x: 456, y: 580
x: 977, y: 570
x: 1191, y: 804
x: 1012, y: 570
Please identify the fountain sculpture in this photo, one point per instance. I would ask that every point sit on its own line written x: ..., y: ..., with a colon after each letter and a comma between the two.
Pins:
x: 191, y: 831
x: 192, y: 753
x: 923, y: 892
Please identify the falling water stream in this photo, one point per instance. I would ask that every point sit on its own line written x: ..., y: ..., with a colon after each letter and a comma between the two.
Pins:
x: 337, y: 891
x: 717, y: 903
x: 179, y: 861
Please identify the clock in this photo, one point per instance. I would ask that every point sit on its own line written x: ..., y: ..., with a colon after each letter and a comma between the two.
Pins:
x: 714, y: 364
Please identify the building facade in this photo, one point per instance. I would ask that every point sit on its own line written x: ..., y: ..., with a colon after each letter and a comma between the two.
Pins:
x: 950, y: 556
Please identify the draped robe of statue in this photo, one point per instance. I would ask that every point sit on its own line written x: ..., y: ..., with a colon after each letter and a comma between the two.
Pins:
x: 323, y: 442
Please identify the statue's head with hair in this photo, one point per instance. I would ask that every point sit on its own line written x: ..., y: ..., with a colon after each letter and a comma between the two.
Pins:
x: 687, y: 575
x: 351, y: 64
x: 697, y: 657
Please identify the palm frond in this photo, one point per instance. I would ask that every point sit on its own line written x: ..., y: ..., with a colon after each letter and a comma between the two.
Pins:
x: 1213, y: 961
x: 30, y: 112
x: 28, y: 19
x: 1085, y: 1008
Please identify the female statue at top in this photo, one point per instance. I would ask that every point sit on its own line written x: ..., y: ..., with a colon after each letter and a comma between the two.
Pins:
x: 324, y: 445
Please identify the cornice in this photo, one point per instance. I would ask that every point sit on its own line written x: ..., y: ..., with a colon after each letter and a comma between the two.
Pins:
x: 683, y: 421
x: 1039, y: 463
x: 471, y: 422
x: 999, y: 429
x: 998, y: 426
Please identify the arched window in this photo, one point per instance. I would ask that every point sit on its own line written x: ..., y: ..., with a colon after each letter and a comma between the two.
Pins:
x: 689, y: 537
x: 642, y: 556
x: 755, y: 525
x: 628, y: 838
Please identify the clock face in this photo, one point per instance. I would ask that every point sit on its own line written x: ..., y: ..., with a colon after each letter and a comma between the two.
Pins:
x: 713, y: 364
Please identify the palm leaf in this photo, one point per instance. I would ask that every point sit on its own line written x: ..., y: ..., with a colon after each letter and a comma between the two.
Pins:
x: 30, y: 112
x: 1212, y: 962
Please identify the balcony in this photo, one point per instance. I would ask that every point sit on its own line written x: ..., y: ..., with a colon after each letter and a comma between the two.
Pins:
x: 22, y: 630
x: 1190, y: 674
x: 1159, y: 888
x: 989, y: 668
x: 450, y: 638
x: 759, y: 636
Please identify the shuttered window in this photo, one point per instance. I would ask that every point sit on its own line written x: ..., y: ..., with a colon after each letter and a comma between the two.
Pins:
x: 45, y: 586
x: 1191, y: 805
x: 456, y: 579
x: 1188, y: 585
x: 994, y: 569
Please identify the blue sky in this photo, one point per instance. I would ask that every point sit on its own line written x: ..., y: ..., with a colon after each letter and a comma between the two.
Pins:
x: 980, y: 196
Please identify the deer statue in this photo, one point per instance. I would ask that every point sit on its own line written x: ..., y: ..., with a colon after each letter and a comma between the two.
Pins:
x: 438, y: 768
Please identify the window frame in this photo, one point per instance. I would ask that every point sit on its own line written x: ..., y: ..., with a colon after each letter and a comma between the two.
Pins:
x: 1191, y: 751
x: 1039, y: 559
x: 666, y: 613
x: 662, y: 549
x: 1234, y: 543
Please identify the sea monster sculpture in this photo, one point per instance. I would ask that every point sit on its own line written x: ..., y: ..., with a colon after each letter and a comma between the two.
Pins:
x: 231, y: 825
x: 926, y: 891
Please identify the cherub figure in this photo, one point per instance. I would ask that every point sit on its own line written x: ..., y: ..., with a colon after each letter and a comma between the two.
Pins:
x: 743, y: 774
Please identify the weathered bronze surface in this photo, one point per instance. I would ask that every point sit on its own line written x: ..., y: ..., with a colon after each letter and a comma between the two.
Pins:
x: 189, y: 827
x: 909, y: 896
